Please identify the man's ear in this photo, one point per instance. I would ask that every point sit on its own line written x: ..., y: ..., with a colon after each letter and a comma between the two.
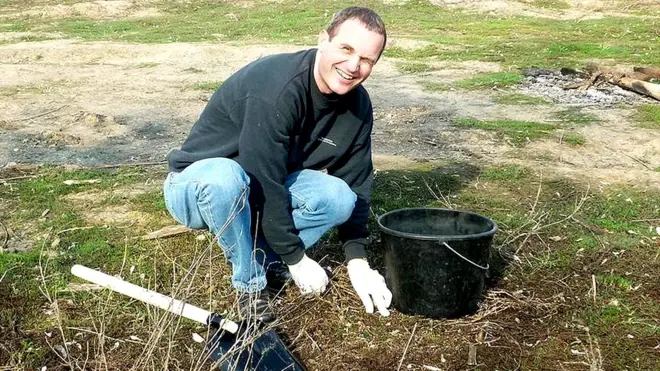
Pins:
x: 323, y: 37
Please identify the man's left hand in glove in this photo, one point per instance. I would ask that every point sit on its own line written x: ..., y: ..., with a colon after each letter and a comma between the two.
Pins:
x: 370, y: 286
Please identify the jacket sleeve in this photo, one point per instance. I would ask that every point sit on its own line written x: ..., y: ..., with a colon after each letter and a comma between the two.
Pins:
x: 357, y: 172
x: 263, y: 148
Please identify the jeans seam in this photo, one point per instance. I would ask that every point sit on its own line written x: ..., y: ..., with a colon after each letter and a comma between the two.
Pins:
x: 209, y: 216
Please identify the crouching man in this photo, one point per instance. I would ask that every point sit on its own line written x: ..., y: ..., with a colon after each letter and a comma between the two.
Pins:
x: 282, y: 151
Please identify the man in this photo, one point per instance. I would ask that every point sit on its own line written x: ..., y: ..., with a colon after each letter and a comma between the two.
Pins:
x: 283, y: 151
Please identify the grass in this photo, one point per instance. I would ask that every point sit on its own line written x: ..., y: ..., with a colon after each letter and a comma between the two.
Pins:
x: 519, y: 99
x: 489, y: 80
x: 207, y: 85
x: 616, y: 281
x: 512, y: 195
x: 517, y: 132
x: 416, y: 67
x: 575, y: 116
x: 551, y: 4
x: 554, y: 234
x: 436, y: 86
x: 455, y: 35
x: 574, y: 139
x: 648, y: 116
x: 511, y: 172
x: 28, y: 38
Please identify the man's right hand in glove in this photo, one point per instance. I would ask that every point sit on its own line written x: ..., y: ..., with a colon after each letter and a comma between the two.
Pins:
x: 309, y: 276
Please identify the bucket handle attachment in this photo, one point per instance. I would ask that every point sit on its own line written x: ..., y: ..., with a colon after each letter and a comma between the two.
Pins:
x: 466, y: 259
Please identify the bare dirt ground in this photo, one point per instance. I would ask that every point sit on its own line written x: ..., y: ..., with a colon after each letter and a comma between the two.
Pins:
x: 93, y: 103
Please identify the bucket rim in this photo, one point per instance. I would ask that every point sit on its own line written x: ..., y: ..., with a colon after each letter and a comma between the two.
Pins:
x: 440, y: 238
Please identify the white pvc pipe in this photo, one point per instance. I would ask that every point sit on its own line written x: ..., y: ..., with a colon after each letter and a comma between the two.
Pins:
x: 150, y: 297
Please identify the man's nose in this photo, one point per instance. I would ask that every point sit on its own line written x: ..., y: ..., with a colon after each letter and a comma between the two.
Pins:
x: 354, y: 64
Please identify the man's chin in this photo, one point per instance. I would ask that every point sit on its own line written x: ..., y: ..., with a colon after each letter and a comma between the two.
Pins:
x: 341, y: 89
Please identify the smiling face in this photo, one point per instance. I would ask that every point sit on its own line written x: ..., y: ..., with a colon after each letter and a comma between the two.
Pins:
x: 346, y: 60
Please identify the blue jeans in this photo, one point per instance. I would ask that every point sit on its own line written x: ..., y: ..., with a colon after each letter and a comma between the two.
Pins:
x: 213, y: 194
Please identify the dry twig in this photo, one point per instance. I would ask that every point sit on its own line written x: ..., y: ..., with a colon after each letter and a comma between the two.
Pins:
x: 39, y: 115
x: 5, y: 180
x: 168, y: 231
x: 444, y: 199
x: 406, y: 349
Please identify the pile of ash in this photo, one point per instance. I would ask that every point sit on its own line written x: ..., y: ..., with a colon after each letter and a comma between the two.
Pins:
x: 551, y: 85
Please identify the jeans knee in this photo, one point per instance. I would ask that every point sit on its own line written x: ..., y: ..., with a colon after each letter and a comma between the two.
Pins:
x: 223, y: 192
x: 340, y: 200
x: 346, y: 205
x: 223, y: 171
x: 223, y: 177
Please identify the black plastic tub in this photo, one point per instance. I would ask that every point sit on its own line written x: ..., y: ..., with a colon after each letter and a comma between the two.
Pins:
x: 436, y: 260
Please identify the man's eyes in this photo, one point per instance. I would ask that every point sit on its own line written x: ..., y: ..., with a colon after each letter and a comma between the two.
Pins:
x: 348, y: 50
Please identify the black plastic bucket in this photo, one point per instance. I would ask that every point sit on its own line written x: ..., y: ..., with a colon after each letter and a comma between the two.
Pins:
x: 436, y: 260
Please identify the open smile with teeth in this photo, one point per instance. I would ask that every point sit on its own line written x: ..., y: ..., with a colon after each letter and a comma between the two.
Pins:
x: 344, y: 75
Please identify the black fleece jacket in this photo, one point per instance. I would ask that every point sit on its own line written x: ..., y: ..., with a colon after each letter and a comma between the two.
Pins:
x: 272, y: 119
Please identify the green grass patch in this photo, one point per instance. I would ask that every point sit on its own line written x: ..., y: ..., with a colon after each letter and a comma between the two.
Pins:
x: 588, y: 243
x: 517, y: 132
x: 428, y: 51
x: 27, y: 38
x: 509, y: 173
x: 455, y: 35
x: 489, y: 80
x: 208, y: 85
x: 150, y: 202
x: 413, y: 67
x: 47, y: 190
x: 615, y: 281
x: 606, y: 317
x: 648, y: 116
x: 574, y: 139
x: 575, y: 116
x: 401, y: 189
x: 657, y: 169
x: 519, y: 99
x: 620, y: 207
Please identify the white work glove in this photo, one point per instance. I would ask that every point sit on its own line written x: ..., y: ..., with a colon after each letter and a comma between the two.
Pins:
x: 309, y: 276
x: 370, y: 286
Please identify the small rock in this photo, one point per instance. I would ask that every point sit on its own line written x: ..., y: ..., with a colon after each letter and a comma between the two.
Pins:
x: 60, y: 349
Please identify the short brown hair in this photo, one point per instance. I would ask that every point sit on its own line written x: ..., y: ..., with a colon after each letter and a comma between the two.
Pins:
x: 369, y: 18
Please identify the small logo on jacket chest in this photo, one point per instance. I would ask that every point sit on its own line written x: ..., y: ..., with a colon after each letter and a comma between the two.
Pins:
x: 327, y: 141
